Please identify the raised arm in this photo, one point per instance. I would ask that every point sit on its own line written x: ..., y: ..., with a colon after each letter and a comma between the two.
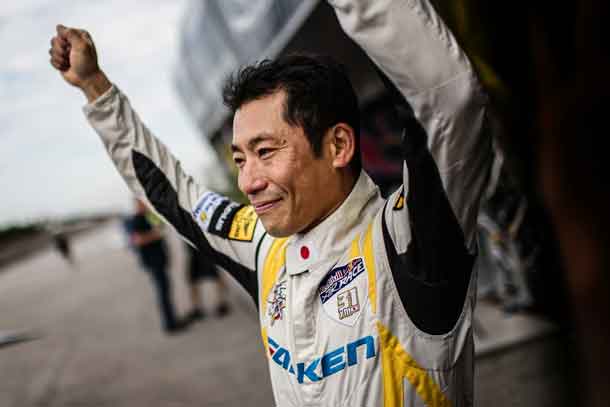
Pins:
x: 412, y: 46
x: 429, y: 225
x: 225, y: 231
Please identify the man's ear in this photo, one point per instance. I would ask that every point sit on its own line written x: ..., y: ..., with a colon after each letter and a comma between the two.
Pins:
x: 342, y: 143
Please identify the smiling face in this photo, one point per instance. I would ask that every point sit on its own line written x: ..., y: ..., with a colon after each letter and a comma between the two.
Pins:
x: 290, y: 188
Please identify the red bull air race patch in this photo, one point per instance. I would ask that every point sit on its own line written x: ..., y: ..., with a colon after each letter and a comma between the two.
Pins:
x: 344, y: 290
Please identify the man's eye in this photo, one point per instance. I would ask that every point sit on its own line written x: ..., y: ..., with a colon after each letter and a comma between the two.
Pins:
x: 239, y: 161
x: 262, y: 152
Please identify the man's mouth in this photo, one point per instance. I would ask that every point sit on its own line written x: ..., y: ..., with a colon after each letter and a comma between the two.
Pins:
x: 265, y: 206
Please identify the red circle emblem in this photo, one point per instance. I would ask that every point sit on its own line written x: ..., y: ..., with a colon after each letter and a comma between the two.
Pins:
x: 304, y: 252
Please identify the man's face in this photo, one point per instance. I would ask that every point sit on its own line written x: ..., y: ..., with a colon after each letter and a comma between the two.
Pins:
x: 288, y: 186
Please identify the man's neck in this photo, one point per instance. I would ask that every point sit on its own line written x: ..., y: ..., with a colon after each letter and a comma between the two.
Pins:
x: 346, y: 184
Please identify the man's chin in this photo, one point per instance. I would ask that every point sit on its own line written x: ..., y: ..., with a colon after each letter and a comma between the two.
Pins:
x: 275, y: 230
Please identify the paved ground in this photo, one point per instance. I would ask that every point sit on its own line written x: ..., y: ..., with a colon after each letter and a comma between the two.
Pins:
x: 94, y: 340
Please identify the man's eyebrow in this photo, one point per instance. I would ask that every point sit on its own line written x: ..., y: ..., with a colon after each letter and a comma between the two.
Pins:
x: 252, y: 143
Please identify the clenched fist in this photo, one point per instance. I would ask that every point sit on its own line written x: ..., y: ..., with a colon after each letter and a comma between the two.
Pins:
x: 73, y: 55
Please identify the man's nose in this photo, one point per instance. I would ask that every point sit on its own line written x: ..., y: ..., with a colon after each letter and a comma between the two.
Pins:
x: 250, y: 180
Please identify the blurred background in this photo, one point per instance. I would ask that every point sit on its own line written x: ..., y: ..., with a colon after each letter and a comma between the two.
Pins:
x: 79, y: 323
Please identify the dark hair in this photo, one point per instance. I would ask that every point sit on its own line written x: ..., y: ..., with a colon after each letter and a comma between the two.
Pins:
x: 319, y: 94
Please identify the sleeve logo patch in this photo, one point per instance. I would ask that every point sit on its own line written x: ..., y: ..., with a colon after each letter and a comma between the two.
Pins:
x: 206, y: 207
x: 400, y: 201
x: 244, y: 222
x: 220, y: 223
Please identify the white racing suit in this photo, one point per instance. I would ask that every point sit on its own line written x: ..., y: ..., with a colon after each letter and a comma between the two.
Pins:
x: 373, y: 306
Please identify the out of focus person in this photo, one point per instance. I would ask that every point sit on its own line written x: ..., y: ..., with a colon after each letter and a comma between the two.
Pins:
x: 198, y: 269
x: 147, y: 240
x: 62, y: 244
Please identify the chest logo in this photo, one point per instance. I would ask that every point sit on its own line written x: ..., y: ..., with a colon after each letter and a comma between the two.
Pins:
x: 347, y: 303
x: 320, y: 368
x: 343, y: 291
x: 277, y: 302
x: 340, y: 277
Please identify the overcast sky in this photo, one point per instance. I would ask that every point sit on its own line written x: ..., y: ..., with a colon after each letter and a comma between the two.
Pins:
x: 52, y: 163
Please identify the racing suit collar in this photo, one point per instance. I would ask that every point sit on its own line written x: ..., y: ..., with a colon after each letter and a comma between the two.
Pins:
x: 331, y: 237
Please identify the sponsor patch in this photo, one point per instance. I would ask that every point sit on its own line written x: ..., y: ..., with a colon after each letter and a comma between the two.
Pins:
x: 344, y: 291
x: 243, y: 224
x: 217, y: 214
x: 206, y: 207
x: 340, y: 277
x: 277, y: 302
x: 347, y: 303
x: 220, y: 224
x: 334, y: 361
x: 400, y: 201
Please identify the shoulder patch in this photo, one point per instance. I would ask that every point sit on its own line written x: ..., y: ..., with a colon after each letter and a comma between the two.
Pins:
x: 243, y: 224
x: 206, y: 208
x: 400, y: 201
x: 220, y: 224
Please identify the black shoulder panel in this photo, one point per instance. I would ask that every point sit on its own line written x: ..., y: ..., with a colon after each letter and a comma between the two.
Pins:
x: 432, y: 276
x: 164, y: 198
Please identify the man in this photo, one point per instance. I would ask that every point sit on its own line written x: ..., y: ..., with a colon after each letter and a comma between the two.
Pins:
x: 147, y: 240
x: 361, y: 301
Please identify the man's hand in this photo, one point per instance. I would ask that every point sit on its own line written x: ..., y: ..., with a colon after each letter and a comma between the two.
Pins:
x: 73, y: 55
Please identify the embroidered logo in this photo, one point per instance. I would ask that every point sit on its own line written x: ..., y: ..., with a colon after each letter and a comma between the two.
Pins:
x: 344, y: 292
x: 206, y: 208
x: 347, y: 303
x: 277, y: 303
x: 244, y: 222
x: 320, y: 368
x: 339, y: 277
x: 221, y: 222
